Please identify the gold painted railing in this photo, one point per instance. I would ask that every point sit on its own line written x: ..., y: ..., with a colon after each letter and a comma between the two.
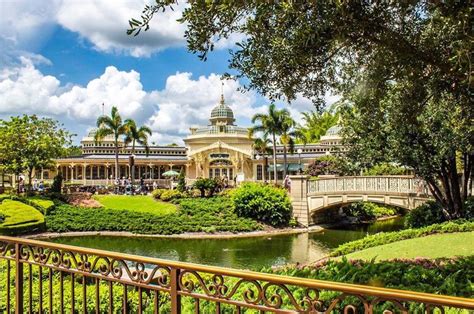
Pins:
x: 42, y: 277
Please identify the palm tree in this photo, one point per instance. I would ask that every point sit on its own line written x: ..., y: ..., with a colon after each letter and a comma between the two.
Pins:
x: 287, y: 137
x: 270, y: 125
x: 134, y: 134
x: 315, y: 125
x: 261, y: 146
x: 111, y: 125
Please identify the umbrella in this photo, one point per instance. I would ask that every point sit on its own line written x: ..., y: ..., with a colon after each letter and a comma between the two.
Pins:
x: 171, y: 173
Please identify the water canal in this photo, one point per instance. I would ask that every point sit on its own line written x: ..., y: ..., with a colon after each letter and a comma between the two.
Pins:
x: 245, y: 253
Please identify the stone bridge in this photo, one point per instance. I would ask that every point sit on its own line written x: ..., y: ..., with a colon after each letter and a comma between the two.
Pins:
x: 311, y: 198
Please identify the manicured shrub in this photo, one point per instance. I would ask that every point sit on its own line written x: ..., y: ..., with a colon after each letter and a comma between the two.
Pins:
x: 368, y: 211
x: 194, y: 215
x: 170, y: 195
x: 181, y: 182
x: 424, y: 215
x: 157, y: 193
x: 57, y: 184
x: 20, y: 218
x: 264, y: 203
x: 389, y: 237
x: 204, y: 185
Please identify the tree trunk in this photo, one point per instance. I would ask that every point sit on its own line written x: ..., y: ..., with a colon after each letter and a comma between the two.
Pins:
x: 274, y: 159
x: 132, y: 167
x: 30, y: 175
x: 284, y: 161
x: 116, y: 159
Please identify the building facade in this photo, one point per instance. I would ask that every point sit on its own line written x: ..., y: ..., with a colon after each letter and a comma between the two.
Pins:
x: 220, y: 149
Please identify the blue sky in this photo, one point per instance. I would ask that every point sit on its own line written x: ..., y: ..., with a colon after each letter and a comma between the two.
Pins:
x: 66, y: 58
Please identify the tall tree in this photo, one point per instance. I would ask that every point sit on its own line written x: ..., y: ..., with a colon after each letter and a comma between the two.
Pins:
x: 270, y: 125
x: 315, y: 125
x: 287, y: 137
x: 111, y: 125
x: 372, y: 53
x: 29, y: 143
x: 133, y: 135
x: 262, y: 146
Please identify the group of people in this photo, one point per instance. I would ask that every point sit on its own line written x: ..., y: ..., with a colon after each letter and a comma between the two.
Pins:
x: 38, y: 186
x: 125, y: 186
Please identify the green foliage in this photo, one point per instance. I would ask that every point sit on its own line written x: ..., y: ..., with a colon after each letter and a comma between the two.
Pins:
x: 181, y: 182
x: 424, y: 215
x: 29, y: 142
x: 389, y: 237
x: 170, y: 195
x: 204, y: 185
x: 262, y: 202
x: 385, y: 169
x: 194, y: 215
x: 326, y: 165
x: 44, y: 205
x: 468, y: 209
x: 20, y: 218
x: 57, y: 184
x: 137, y: 203
x: 157, y: 193
x: 368, y: 211
x: 440, y: 276
x: 315, y: 125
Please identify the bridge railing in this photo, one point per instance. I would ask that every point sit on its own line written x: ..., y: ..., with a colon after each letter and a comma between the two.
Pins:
x: 383, y: 184
x: 39, y: 277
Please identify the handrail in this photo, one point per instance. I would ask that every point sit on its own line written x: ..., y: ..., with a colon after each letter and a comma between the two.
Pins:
x: 248, y: 276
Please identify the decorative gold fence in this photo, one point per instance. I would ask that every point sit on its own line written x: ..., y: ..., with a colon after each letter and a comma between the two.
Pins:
x: 41, y: 277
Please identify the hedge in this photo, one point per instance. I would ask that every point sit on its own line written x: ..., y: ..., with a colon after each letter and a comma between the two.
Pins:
x: 389, y: 237
x: 20, y: 218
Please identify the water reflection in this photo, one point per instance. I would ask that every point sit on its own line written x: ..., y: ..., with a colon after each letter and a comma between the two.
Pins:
x: 245, y: 253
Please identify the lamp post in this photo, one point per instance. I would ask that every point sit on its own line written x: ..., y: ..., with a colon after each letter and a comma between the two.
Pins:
x: 131, y: 162
x: 299, y: 151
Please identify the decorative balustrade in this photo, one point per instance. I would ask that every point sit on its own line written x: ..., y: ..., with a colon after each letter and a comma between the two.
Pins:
x: 39, y: 277
x: 382, y: 184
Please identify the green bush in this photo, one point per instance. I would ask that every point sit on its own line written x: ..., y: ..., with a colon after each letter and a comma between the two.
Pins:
x: 389, y: 237
x: 57, y: 184
x: 424, y: 215
x: 262, y: 202
x: 368, y: 211
x: 440, y: 276
x: 194, y: 215
x: 170, y: 195
x: 20, y: 218
x: 181, y: 182
x: 157, y: 193
x: 204, y: 185
x: 468, y: 209
x: 385, y: 169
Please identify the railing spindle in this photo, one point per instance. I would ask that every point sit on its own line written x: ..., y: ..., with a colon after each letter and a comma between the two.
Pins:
x: 18, y: 280
x: 140, y: 300
x: 30, y: 288
x: 196, y: 306
x: 125, y: 299
x: 40, y: 288
x: 218, y: 308
x: 72, y: 292
x: 111, y: 297
x: 84, y: 294
x: 156, y: 302
x: 50, y: 290
x: 97, y: 295
x: 8, y: 285
x: 61, y: 291
x: 175, y: 297
x: 237, y: 308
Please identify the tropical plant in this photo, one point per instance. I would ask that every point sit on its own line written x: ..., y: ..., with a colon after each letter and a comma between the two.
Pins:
x: 111, y: 125
x: 270, y: 124
x: 206, y: 184
x: 315, y: 125
x: 133, y: 135
x: 287, y: 137
x: 261, y: 146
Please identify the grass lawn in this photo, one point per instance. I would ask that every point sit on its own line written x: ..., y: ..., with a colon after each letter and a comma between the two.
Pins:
x: 137, y: 203
x: 433, y: 246
x: 19, y: 218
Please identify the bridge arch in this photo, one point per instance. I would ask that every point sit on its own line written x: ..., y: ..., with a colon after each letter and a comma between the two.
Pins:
x: 310, y: 197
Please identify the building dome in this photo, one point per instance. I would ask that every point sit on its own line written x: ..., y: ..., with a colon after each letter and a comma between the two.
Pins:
x: 92, y: 132
x: 222, y: 113
x: 335, y: 130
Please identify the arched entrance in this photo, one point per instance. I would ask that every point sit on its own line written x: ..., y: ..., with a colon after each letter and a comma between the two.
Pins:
x: 221, y: 166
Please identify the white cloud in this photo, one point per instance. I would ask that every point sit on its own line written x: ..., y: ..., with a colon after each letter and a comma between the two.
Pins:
x: 104, y: 24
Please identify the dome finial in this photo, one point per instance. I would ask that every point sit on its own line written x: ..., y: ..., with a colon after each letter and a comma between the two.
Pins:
x: 222, y: 93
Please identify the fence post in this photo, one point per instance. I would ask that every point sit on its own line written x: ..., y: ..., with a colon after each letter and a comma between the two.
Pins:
x: 18, y: 281
x: 175, y: 297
